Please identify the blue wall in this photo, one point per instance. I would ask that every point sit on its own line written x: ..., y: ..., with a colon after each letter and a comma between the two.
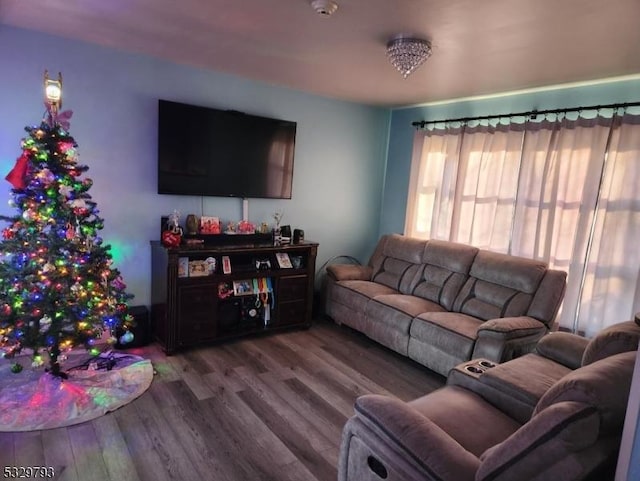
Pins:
x: 339, y: 159
x: 401, y: 131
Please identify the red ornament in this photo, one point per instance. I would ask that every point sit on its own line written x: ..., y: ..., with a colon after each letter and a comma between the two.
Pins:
x: 80, y: 211
x: 171, y: 239
x: 17, y: 176
x: 8, y: 233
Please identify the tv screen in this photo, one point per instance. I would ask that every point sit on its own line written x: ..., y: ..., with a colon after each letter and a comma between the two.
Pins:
x: 224, y: 153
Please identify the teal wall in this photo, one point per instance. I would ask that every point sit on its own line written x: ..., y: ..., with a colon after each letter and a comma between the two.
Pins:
x: 339, y: 158
x: 401, y: 132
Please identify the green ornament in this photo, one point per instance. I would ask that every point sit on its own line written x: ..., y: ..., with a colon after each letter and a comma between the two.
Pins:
x: 16, y: 367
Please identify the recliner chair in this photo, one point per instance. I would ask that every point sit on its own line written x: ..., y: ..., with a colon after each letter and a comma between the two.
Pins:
x: 468, y: 430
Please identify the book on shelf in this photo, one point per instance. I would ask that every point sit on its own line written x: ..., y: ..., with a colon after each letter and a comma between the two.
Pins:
x: 283, y: 260
x: 226, y: 265
x: 183, y: 267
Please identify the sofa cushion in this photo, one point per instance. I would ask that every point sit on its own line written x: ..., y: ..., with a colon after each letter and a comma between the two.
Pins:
x: 388, y: 317
x: 551, y: 436
x: 499, y: 286
x: 519, y: 273
x: 450, y: 255
x: 399, y: 262
x: 563, y: 347
x: 547, y: 299
x: 436, y: 326
x: 447, y: 332
x: 604, y: 384
x: 446, y: 269
x: 490, y: 425
x: 357, y: 293
x: 621, y: 337
x: 389, y: 306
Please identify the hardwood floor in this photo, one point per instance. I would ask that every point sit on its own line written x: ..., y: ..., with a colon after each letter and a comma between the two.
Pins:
x: 261, y: 408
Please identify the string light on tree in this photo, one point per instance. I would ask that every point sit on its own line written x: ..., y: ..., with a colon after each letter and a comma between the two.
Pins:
x: 58, y: 286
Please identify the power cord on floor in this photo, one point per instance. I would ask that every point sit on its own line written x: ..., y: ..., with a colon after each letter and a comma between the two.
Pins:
x: 103, y: 361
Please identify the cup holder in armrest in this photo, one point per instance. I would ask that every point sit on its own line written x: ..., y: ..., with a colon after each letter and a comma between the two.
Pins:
x: 377, y: 467
x: 487, y: 364
x: 474, y: 369
x: 479, y: 366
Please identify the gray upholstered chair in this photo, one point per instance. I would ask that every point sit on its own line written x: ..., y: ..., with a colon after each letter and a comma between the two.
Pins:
x: 464, y: 431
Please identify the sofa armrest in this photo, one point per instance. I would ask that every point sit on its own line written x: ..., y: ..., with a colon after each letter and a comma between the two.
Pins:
x: 564, y: 348
x: 349, y: 272
x: 390, y: 425
x: 505, y: 338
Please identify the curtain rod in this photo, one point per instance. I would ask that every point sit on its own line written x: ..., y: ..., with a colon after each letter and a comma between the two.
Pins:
x: 531, y: 113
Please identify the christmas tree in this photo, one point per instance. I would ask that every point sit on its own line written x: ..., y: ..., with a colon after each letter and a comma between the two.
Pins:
x: 58, y: 286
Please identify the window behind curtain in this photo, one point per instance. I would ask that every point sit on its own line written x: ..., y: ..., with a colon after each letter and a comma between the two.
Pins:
x: 559, y: 190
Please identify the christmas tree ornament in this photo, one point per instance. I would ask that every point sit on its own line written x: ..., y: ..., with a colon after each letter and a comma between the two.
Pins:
x: 126, y: 338
x: 37, y: 361
x: 16, y: 367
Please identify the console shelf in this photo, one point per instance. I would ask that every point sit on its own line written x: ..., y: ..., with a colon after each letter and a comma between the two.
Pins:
x: 194, y: 300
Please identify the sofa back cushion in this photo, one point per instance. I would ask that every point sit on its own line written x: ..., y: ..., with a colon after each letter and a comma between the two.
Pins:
x: 398, y: 263
x: 604, y: 384
x: 446, y: 268
x: 499, y: 285
x: 548, y: 297
x: 620, y: 337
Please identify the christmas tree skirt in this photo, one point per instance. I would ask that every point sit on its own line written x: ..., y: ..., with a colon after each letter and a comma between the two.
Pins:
x: 34, y: 399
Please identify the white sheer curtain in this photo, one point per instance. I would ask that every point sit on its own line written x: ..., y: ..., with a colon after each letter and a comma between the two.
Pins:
x: 560, y: 190
x: 611, y: 282
x: 433, y: 183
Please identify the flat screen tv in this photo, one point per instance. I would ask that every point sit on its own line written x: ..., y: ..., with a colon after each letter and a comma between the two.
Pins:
x: 224, y: 153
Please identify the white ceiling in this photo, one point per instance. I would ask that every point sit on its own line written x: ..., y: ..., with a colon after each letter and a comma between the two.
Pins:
x: 479, y: 47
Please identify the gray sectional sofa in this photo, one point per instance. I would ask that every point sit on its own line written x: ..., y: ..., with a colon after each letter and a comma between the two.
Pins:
x: 442, y: 303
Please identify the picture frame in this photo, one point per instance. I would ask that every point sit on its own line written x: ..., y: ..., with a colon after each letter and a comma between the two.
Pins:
x: 183, y: 267
x: 283, y: 260
x: 243, y: 287
x: 198, y: 268
x: 209, y: 225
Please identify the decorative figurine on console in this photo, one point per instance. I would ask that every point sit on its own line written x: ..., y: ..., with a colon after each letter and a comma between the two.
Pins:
x: 277, y: 233
x: 246, y: 227
x: 172, y: 235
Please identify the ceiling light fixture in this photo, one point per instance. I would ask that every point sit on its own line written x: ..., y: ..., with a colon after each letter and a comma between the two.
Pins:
x: 408, y: 53
x: 324, y: 8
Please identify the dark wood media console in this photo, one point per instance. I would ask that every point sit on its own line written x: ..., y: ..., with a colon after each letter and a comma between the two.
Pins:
x: 208, y: 305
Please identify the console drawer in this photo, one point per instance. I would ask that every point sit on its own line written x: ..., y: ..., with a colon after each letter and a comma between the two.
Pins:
x: 196, y: 303
x: 292, y: 312
x: 292, y: 288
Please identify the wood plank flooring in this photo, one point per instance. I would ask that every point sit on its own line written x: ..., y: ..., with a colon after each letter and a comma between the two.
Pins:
x: 260, y: 408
